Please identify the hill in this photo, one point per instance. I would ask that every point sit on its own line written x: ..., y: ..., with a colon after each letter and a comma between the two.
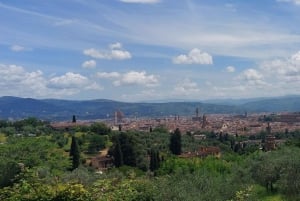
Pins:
x: 55, y: 109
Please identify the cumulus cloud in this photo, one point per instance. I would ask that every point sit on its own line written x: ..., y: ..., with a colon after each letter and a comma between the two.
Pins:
x: 69, y: 80
x: 130, y: 78
x: 296, y: 2
x: 283, y: 69
x: 230, y: 69
x: 195, y: 56
x: 115, y: 46
x: 89, y: 64
x: 115, y: 52
x: 186, y: 87
x: 108, y: 75
x: 94, y: 86
x: 137, y: 78
x: 252, y: 77
x: 16, y: 81
x: 17, y: 48
x: 251, y: 74
x: 141, y: 1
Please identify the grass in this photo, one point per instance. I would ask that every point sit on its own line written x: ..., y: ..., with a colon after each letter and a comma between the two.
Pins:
x: 263, y: 195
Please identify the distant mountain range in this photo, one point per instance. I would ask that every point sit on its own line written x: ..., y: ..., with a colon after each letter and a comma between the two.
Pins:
x: 55, y: 109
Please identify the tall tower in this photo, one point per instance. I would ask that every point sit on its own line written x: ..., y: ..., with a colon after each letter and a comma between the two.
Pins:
x: 270, y: 139
x: 204, y: 121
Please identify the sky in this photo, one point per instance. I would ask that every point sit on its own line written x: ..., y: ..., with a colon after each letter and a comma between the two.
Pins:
x: 147, y: 50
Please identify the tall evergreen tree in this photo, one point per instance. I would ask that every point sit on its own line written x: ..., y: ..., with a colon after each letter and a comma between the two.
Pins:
x: 74, y: 119
x: 126, y: 148
x: 175, y: 142
x: 75, y: 153
x: 118, y: 155
x: 154, y: 160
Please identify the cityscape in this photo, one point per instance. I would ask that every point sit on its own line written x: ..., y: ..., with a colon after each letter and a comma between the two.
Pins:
x: 150, y: 100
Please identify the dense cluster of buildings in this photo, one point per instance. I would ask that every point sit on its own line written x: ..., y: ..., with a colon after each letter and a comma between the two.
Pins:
x: 217, y: 123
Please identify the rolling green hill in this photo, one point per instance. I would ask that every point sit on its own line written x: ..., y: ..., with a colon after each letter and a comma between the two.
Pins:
x: 55, y: 109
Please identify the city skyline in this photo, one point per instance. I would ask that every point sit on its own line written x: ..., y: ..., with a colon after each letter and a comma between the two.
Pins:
x: 138, y: 50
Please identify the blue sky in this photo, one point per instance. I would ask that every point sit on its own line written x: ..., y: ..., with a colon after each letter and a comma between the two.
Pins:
x: 137, y: 50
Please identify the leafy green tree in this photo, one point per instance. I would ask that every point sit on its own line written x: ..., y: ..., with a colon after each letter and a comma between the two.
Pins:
x: 96, y: 143
x: 160, y: 129
x: 175, y: 142
x: 129, y: 149
x: 8, y: 172
x: 100, y: 128
x: 133, y: 152
x: 75, y: 153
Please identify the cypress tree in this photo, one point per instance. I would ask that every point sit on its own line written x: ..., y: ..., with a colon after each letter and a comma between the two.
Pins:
x: 74, y: 153
x: 118, y: 155
x: 175, y: 142
x: 74, y: 119
x: 154, y: 160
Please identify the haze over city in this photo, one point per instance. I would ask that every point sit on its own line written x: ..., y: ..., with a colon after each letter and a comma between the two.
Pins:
x: 137, y: 50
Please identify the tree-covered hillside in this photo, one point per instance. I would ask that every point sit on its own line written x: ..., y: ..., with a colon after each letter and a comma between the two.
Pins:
x: 39, y: 163
x: 51, y: 109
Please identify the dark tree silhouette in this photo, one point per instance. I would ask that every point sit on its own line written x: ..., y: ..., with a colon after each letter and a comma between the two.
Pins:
x: 125, y: 148
x: 175, y: 142
x: 118, y: 155
x: 74, y: 119
x: 154, y: 160
x: 75, y: 153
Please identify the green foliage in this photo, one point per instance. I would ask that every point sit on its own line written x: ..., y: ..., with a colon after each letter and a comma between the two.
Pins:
x: 175, y: 142
x: 278, y: 170
x: 160, y: 129
x: 154, y: 160
x: 34, y: 152
x: 74, y: 153
x: 28, y: 191
x: 100, y: 128
x: 115, y: 189
x: 118, y: 154
x: 9, y: 171
x: 96, y: 143
x: 131, y: 151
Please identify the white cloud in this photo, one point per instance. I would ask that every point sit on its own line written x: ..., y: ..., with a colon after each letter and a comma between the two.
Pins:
x: 251, y: 74
x: 94, y: 86
x: 16, y: 81
x: 130, y: 78
x: 141, y: 1
x: 137, y: 78
x: 89, y: 64
x: 283, y: 69
x: 115, y: 46
x: 195, y: 56
x: 17, y: 48
x: 69, y: 80
x: 297, y: 2
x: 186, y: 87
x: 230, y: 69
x: 106, y: 75
x: 252, y: 77
x: 115, y: 52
